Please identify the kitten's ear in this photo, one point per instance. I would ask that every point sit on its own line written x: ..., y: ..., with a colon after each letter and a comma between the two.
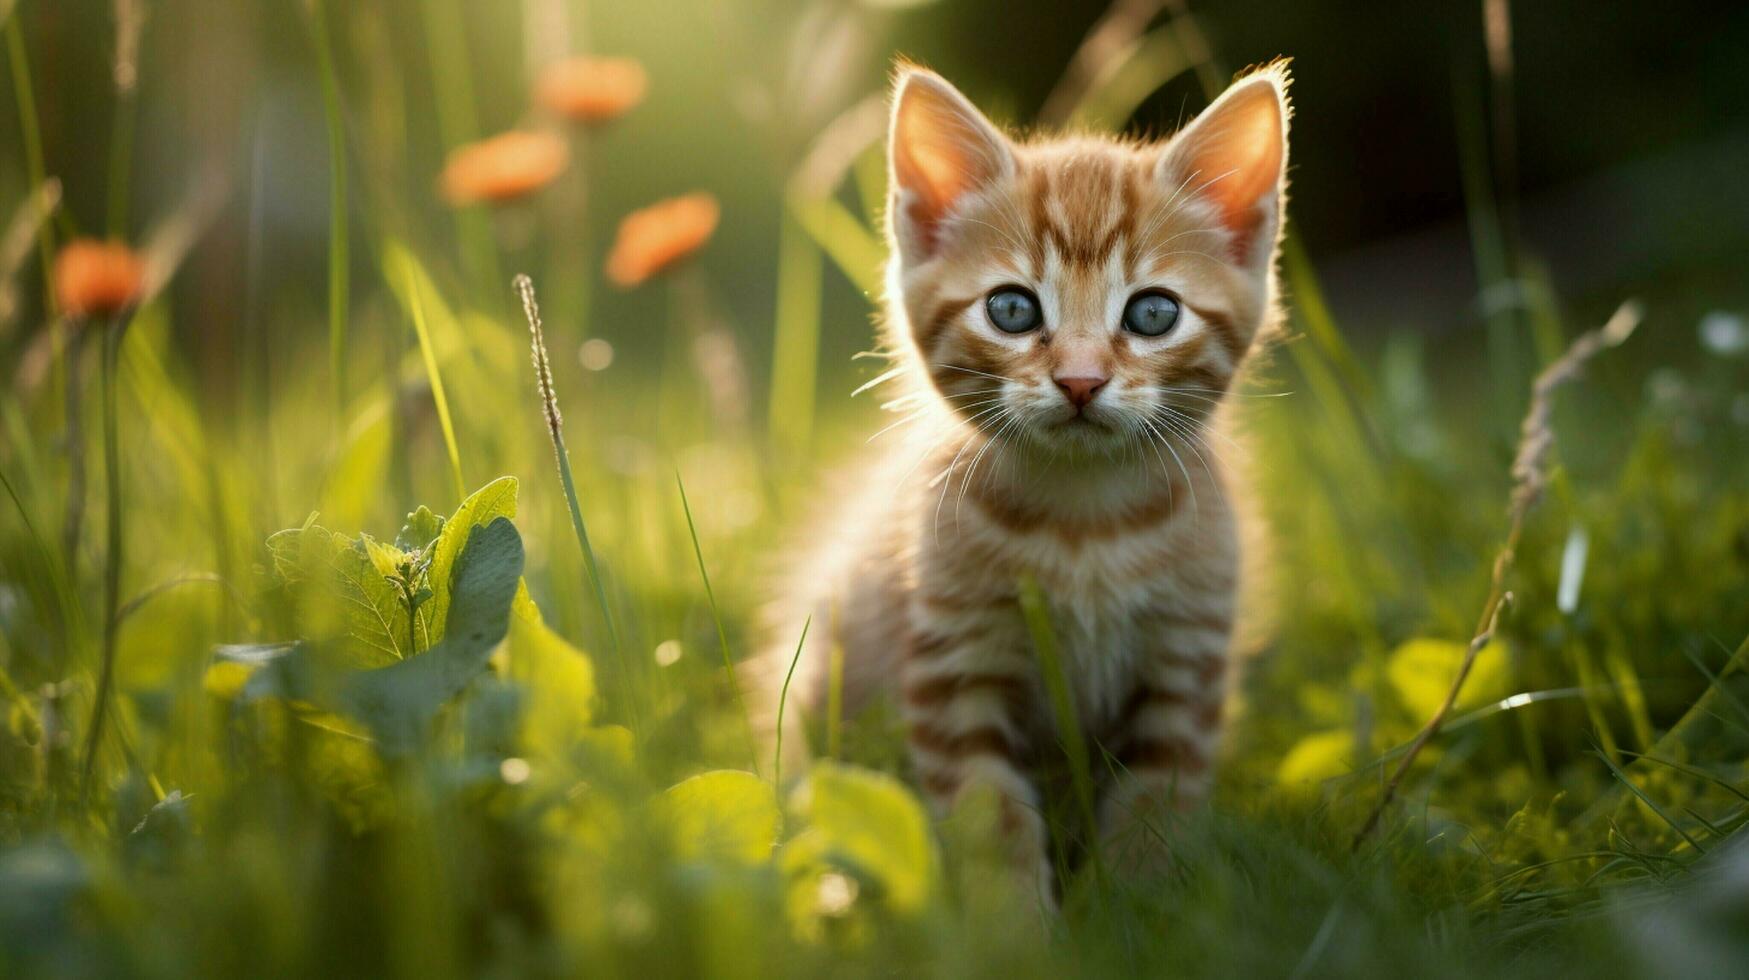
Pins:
x: 939, y: 148
x: 1234, y: 156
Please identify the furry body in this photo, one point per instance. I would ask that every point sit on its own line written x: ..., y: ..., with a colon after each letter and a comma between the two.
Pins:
x: 1081, y: 453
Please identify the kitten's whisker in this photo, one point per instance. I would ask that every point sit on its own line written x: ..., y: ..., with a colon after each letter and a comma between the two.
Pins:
x: 981, y: 374
x: 1189, y: 484
x: 881, y: 379
x: 973, y: 468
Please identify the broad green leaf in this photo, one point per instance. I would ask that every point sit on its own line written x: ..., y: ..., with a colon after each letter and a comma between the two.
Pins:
x: 495, y: 499
x: 1317, y: 757
x: 345, y: 597
x: 871, y: 824
x: 1422, y: 670
x: 421, y: 528
x: 557, y: 679
x: 386, y: 559
x: 398, y: 702
x: 725, y: 815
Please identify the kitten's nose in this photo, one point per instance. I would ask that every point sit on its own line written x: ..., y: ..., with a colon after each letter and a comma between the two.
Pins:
x: 1080, y: 391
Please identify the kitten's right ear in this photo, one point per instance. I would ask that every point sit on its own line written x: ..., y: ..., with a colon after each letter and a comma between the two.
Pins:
x: 939, y: 149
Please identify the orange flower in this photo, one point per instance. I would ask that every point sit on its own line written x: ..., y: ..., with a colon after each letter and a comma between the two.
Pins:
x: 97, y: 279
x: 652, y: 239
x: 591, y: 89
x: 503, y: 168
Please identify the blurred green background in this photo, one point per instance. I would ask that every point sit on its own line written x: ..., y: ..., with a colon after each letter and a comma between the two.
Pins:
x: 1627, y: 123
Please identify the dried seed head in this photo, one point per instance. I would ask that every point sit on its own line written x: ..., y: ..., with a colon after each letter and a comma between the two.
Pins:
x: 543, y: 369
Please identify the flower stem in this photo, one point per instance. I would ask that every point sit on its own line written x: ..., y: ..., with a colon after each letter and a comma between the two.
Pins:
x: 112, y: 552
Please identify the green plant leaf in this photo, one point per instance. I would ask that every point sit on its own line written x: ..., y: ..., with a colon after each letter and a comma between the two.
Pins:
x: 869, y: 823
x: 1317, y: 757
x: 494, y: 500
x: 724, y: 815
x: 1421, y: 672
x: 557, y: 679
x: 398, y: 702
x: 421, y: 528
x: 343, y: 597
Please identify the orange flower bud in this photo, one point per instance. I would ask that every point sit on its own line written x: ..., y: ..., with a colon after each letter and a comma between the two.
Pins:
x: 97, y: 279
x: 654, y: 238
x: 503, y: 168
x: 591, y: 90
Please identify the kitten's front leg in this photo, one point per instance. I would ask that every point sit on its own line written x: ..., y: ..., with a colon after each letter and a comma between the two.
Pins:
x: 1164, y: 741
x: 963, y: 694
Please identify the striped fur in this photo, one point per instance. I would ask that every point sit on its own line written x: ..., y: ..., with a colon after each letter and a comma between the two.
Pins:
x: 1120, y: 512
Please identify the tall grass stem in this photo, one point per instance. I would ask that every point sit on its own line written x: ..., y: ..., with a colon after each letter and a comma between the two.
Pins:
x: 1068, y: 721
x: 796, y: 348
x: 716, y: 615
x: 30, y: 131
x: 429, y: 355
x: 543, y: 373
x: 1529, y: 479
x: 782, y: 702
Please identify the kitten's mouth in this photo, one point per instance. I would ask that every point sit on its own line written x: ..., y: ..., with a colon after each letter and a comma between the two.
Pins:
x: 1080, y: 422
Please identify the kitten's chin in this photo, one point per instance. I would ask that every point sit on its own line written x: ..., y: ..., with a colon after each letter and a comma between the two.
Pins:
x: 1079, y: 435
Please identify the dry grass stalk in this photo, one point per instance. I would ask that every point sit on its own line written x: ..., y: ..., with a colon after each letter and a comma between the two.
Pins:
x: 130, y: 20
x: 543, y: 372
x: 1529, y: 478
x: 1115, y: 31
x: 20, y: 239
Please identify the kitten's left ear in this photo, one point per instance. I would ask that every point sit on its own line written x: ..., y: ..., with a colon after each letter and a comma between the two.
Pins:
x: 940, y: 149
x: 1234, y: 155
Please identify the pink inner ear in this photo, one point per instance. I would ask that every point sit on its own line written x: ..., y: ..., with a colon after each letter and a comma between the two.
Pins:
x: 1239, y: 159
x: 940, y: 151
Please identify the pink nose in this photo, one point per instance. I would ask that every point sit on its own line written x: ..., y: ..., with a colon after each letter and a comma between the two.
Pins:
x: 1080, y: 391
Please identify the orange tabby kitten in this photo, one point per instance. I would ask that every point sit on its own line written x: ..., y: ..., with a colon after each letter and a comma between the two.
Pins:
x: 1069, y: 313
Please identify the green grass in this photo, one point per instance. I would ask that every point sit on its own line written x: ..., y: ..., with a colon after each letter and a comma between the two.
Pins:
x: 586, y: 803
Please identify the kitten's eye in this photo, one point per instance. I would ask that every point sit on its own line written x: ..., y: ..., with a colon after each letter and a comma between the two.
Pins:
x: 1013, y: 310
x: 1150, y: 314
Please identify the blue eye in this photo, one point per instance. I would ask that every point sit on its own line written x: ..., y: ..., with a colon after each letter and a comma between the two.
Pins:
x: 1013, y: 310
x: 1150, y: 314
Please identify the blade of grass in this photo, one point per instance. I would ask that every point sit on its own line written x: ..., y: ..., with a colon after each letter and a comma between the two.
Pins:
x: 1647, y: 800
x: 796, y: 348
x: 782, y: 700
x: 339, y: 261
x: 717, y: 617
x: 1715, y: 680
x: 416, y: 305
x: 853, y: 247
x: 1068, y: 722
x: 1700, y: 774
x: 446, y: 40
x: 1687, y: 731
x: 30, y: 130
x: 555, y: 429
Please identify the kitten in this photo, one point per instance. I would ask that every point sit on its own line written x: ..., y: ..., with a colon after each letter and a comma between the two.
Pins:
x: 1069, y: 313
